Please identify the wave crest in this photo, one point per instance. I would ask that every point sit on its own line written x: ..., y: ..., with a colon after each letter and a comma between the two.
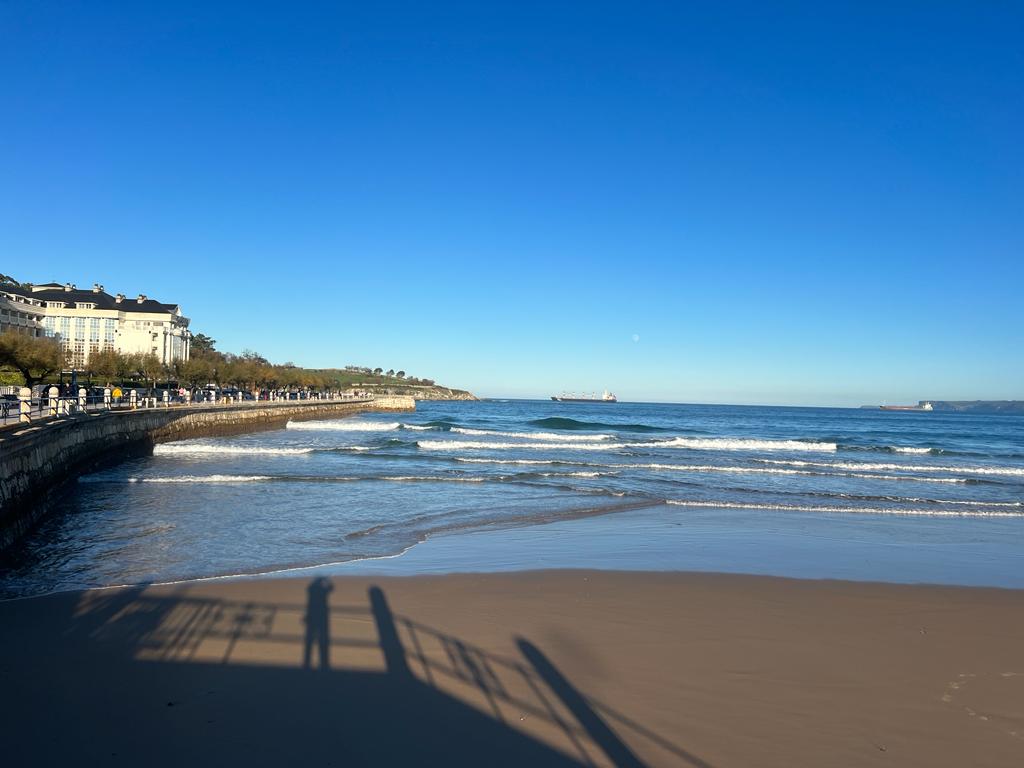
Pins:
x: 878, y: 466
x: 848, y: 510
x: 574, y: 424
x: 343, y: 426
x: 180, y: 449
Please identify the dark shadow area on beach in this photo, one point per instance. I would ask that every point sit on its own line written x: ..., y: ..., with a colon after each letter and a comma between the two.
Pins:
x: 172, y: 679
x: 318, y: 630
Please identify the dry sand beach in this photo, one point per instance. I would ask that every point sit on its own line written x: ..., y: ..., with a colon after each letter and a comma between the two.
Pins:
x: 533, y: 668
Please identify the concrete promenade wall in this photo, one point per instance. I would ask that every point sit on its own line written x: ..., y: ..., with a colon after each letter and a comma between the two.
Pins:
x: 38, y: 460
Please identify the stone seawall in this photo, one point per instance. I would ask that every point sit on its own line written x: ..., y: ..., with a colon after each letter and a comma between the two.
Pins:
x: 37, y: 461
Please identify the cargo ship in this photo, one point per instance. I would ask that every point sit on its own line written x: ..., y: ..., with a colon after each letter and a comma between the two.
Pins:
x: 924, y: 406
x: 607, y: 397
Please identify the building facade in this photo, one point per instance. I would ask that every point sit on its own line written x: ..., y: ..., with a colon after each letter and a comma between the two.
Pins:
x: 87, y: 321
x: 20, y: 314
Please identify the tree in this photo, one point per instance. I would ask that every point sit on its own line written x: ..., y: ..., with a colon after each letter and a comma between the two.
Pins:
x: 150, y: 367
x: 391, y: 372
x: 202, y: 343
x: 105, y: 364
x: 35, y: 358
x: 8, y: 280
x: 378, y: 371
x: 195, y: 371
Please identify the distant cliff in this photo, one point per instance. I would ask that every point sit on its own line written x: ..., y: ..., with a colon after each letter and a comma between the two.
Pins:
x: 966, y: 406
x: 418, y: 391
x: 979, y: 406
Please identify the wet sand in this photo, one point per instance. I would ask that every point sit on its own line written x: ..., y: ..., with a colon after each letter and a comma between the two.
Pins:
x: 535, y: 668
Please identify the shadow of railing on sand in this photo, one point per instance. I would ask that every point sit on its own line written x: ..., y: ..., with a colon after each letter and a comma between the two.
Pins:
x: 429, y: 684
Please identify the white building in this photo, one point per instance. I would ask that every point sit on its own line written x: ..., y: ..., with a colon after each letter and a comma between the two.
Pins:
x: 87, y: 321
x: 20, y: 314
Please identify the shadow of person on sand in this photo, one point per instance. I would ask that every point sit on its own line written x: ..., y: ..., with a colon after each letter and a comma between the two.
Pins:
x: 134, y: 665
x: 318, y: 629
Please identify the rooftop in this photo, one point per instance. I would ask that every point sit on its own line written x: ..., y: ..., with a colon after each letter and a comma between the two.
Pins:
x: 71, y: 296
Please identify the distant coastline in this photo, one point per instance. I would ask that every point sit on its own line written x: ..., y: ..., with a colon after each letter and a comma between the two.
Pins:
x: 961, y: 406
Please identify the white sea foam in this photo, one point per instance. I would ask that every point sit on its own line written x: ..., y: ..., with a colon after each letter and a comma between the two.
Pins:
x: 876, y: 466
x: 740, y: 444
x: 577, y: 474
x: 850, y: 510
x: 201, y: 479
x: 418, y: 427
x: 588, y: 443
x: 184, y: 449
x: 551, y: 436
x: 429, y: 479
x: 1014, y: 504
x: 779, y: 471
x: 908, y: 449
x: 468, y: 460
x: 714, y: 468
x: 343, y: 426
x: 461, y: 445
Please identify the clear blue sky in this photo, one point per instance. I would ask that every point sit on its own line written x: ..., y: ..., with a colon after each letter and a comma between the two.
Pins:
x: 804, y: 204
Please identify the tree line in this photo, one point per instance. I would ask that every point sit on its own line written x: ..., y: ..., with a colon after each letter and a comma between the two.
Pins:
x: 40, y: 360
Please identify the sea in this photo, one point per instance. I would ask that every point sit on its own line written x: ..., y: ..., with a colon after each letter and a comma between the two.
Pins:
x: 518, y: 484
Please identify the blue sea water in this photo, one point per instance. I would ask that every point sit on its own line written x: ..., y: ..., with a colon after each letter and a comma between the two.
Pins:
x: 792, y: 491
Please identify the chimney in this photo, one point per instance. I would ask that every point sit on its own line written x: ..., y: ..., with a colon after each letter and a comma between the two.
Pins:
x: 97, y: 288
x: 68, y: 287
x: 119, y: 298
x: 142, y: 298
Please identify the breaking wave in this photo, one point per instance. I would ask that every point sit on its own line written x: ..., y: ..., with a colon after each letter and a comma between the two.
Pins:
x: 180, y: 449
x: 740, y: 444
x: 562, y: 423
x: 461, y: 445
x: 780, y: 471
x: 343, y: 426
x: 877, y: 466
x: 700, y: 444
x: 185, y: 479
x: 552, y: 436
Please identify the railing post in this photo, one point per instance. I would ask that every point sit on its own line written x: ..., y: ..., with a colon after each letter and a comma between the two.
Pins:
x: 25, y: 405
x: 81, y: 398
x: 53, y: 395
x: 106, y: 398
x: 133, y: 399
x: 167, y: 399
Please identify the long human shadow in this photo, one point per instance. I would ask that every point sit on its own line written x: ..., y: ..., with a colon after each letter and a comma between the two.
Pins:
x: 117, y: 673
x: 318, y: 629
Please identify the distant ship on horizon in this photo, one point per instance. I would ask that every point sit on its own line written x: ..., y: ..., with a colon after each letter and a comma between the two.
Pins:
x: 565, y: 397
x: 922, y: 406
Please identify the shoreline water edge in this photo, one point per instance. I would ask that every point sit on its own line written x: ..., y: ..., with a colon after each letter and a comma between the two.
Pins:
x: 813, y: 493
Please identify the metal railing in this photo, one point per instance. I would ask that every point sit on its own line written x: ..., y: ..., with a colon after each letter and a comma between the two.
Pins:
x: 70, y: 406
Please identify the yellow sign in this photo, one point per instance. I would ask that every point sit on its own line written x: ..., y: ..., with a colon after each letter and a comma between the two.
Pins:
x: 116, y: 392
